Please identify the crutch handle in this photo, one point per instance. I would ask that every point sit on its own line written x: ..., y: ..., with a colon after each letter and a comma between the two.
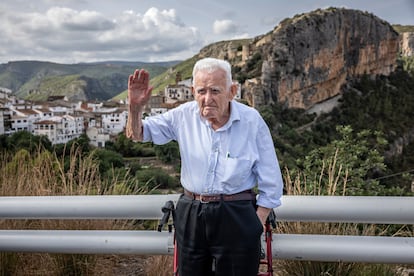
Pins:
x: 167, y: 209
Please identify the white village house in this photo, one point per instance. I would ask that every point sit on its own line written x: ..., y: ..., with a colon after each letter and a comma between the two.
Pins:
x: 60, y: 129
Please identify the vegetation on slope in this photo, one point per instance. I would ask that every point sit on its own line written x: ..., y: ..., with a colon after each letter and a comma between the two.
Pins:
x: 104, y: 80
x: 403, y: 28
x: 71, y: 86
x: 168, y: 77
x: 384, y: 106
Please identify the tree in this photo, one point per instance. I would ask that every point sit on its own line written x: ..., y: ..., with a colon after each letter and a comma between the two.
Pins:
x: 156, y: 178
x: 128, y: 148
x: 108, y: 160
x: 346, y: 164
x: 168, y: 153
x: 25, y: 140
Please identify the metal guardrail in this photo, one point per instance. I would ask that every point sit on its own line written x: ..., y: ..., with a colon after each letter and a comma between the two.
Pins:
x: 374, y: 249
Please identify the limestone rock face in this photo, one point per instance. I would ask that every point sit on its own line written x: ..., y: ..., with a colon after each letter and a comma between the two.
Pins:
x: 306, y: 59
x: 407, y: 44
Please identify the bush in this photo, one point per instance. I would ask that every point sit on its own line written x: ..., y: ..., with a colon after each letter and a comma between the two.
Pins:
x: 156, y: 178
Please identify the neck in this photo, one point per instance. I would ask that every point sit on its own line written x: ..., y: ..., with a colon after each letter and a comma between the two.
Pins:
x: 217, y: 123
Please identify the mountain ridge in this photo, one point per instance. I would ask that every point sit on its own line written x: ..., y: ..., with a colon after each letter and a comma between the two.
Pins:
x: 103, y: 80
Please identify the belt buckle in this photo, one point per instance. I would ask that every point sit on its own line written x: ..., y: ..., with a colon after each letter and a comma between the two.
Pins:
x: 201, y: 199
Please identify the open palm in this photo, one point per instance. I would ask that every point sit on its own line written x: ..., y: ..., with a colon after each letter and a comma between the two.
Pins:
x: 139, y: 90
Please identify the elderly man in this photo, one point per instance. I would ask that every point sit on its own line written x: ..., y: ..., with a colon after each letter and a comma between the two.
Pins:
x: 226, y: 151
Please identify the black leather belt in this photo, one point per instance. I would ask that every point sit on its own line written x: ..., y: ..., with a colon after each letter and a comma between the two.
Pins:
x: 245, y: 195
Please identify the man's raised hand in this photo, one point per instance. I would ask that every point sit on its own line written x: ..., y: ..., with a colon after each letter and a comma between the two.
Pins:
x: 139, y: 90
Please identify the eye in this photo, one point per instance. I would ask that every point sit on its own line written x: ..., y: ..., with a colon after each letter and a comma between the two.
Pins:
x: 215, y: 91
x: 201, y: 91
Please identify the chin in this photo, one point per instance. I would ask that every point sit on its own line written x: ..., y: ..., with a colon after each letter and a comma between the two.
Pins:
x: 208, y: 116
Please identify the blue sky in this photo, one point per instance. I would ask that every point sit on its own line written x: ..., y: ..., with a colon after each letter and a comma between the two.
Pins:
x: 72, y: 31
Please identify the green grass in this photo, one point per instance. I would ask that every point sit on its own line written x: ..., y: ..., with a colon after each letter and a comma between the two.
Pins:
x: 403, y: 28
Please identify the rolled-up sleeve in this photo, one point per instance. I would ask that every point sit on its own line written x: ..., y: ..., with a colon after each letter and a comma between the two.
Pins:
x: 158, y: 129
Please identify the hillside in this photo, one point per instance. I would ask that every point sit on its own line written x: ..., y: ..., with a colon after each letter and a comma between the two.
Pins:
x: 160, y: 81
x: 37, y: 80
x: 403, y: 29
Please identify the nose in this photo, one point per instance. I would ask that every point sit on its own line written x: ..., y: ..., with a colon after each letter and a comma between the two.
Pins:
x: 208, y: 96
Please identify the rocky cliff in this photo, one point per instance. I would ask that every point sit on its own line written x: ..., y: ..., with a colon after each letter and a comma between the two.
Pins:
x: 407, y: 44
x: 307, y: 59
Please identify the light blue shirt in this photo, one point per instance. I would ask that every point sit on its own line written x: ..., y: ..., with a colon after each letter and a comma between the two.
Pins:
x: 228, y: 160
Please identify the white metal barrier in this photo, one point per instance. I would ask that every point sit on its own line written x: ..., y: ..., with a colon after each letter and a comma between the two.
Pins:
x: 380, y: 210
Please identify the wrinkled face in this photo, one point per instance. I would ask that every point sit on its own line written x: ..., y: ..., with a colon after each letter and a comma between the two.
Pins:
x: 213, y: 96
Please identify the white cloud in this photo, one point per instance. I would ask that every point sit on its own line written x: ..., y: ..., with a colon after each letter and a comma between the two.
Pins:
x: 73, y: 20
x: 91, y: 30
x: 241, y: 36
x: 81, y: 36
x: 223, y: 27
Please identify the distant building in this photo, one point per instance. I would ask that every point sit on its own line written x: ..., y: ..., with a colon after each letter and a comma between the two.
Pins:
x: 5, y: 122
x: 97, y: 137
x: 102, y: 123
x: 113, y: 121
x: 5, y: 93
x: 154, y: 102
x: 157, y: 111
x: 57, y: 98
x: 60, y: 129
x: 180, y: 91
x: 1, y: 123
x: 23, y: 119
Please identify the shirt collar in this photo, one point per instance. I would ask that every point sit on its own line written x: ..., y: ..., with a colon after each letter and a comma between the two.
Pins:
x: 234, y: 115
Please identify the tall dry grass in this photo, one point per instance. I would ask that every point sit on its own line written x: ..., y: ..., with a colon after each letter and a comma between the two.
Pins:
x: 296, y: 184
x: 159, y: 266
x: 44, y: 174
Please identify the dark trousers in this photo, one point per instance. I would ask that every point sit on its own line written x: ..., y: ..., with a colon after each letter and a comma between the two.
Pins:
x: 217, y: 238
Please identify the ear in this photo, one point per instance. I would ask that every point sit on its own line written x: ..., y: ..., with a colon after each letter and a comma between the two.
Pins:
x: 192, y: 91
x: 233, y: 89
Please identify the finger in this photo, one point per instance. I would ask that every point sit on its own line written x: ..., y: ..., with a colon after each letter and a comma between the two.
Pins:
x: 140, y: 75
x: 136, y: 73
x: 130, y: 79
x: 150, y: 90
x: 148, y: 93
x: 145, y: 76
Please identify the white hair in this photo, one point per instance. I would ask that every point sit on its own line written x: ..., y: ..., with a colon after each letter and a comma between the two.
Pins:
x: 211, y: 64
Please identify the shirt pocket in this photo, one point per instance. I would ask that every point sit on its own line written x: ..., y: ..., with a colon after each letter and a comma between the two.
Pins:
x: 236, y: 170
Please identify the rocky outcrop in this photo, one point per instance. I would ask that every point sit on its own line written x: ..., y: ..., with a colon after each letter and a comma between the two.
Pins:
x: 306, y: 59
x: 232, y: 50
x: 407, y: 44
x: 397, y: 146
